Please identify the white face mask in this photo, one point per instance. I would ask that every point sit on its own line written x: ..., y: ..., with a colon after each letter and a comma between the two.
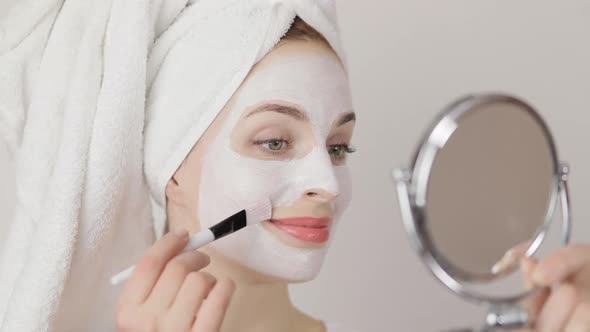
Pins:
x: 317, y: 83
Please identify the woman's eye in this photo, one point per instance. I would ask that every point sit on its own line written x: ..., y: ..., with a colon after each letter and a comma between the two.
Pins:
x: 339, y: 151
x: 275, y: 145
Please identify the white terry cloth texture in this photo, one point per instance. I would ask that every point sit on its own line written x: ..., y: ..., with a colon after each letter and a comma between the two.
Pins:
x: 100, y: 101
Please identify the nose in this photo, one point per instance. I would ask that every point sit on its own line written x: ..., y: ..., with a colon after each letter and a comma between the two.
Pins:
x: 320, y: 184
x: 319, y: 195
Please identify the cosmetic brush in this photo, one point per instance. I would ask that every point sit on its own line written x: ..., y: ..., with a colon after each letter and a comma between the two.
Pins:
x: 252, y: 215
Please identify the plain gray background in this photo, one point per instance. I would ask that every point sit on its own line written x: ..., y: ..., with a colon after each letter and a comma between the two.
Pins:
x: 407, y: 60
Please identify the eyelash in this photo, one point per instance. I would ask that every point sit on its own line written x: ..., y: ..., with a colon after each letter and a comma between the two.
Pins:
x: 346, y: 148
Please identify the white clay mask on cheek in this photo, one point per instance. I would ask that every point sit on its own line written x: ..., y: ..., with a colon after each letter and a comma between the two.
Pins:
x: 229, y: 181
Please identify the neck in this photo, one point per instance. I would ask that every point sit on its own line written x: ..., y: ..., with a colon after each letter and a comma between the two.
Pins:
x: 259, y: 304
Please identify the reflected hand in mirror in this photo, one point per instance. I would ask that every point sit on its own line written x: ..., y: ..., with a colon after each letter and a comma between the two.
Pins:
x: 511, y: 258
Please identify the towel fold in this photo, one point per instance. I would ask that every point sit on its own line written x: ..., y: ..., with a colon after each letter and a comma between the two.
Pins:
x: 100, y: 101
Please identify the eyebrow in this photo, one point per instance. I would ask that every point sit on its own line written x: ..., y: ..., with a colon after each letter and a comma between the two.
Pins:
x: 348, y: 117
x: 297, y: 114
x: 282, y: 109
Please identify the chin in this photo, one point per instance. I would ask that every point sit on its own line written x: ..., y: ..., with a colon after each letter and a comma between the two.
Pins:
x: 303, y: 280
x: 295, y: 275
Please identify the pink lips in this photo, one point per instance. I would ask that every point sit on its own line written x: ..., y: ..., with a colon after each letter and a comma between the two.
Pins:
x: 309, y: 229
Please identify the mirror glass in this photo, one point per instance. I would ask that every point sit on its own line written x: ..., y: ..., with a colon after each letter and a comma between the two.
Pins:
x: 490, y: 190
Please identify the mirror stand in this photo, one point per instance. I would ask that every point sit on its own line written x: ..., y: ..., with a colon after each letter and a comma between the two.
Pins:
x: 505, y: 316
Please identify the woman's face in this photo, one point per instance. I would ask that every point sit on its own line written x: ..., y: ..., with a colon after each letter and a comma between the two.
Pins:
x: 284, y: 135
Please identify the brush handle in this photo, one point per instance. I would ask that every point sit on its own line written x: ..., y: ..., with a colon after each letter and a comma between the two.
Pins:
x: 196, y: 241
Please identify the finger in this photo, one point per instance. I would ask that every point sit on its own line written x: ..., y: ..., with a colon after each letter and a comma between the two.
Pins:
x: 558, y: 309
x: 148, y: 269
x: 580, y: 320
x: 194, y: 290
x: 174, y: 274
x: 210, y: 316
x: 562, y: 264
x: 535, y: 302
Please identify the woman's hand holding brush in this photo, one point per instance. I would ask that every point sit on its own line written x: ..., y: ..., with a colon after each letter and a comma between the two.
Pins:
x: 168, y: 292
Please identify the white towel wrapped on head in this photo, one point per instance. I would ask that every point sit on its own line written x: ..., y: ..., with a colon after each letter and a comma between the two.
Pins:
x: 100, y: 101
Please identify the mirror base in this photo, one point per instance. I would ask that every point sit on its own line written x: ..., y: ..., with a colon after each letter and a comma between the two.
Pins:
x: 505, y: 316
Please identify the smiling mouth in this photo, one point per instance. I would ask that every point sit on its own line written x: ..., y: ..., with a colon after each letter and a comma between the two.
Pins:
x: 307, y: 229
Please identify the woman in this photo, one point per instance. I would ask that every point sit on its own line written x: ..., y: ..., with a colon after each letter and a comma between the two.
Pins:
x: 84, y: 195
x: 293, y: 111
x: 285, y: 131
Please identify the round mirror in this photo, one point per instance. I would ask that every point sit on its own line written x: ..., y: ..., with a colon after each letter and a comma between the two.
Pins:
x: 491, y: 187
x: 482, y: 191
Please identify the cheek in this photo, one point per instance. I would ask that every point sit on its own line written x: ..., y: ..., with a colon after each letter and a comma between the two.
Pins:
x: 345, y: 183
x: 230, y: 183
x: 253, y: 179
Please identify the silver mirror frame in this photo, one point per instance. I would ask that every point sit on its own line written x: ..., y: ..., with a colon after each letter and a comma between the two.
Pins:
x: 412, y: 188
